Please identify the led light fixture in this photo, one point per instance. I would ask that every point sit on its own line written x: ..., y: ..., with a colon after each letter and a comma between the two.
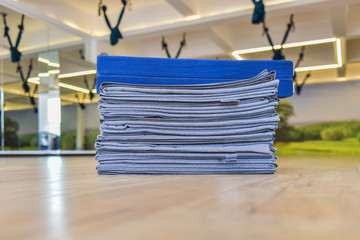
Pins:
x: 339, y: 63
x: 36, y: 80
x: 192, y: 17
x: 72, y: 87
x: 76, y: 74
x: 57, y: 71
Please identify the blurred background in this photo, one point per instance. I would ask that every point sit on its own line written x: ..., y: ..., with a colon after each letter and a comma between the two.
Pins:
x: 48, y: 94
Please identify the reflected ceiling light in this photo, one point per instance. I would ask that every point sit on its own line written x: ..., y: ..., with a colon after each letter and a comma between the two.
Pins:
x: 44, y: 74
x: 76, y: 74
x: 237, y: 56
x: 43, y: 60
x: 341, y: 79
x: 56, y: 71
x: 52, y: 64
x: 72, y: 87
x: 319, y: 67
x: 94, y: 90
x: 192, y: 17
x: 47, y: 61
x: 35, y: 80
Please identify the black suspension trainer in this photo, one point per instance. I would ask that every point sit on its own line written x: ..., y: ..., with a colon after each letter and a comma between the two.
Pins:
x: 14, y: 48
x: 165, y: 46
x: 23, y: 78
x: 278, y: 55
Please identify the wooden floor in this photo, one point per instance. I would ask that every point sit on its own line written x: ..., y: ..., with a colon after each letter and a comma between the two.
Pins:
x: 64, y: 198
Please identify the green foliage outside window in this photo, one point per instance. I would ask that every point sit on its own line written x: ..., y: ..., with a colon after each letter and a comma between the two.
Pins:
x: 10, y: 133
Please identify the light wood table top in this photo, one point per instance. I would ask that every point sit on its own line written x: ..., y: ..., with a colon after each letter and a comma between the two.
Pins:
x: 64, y: 198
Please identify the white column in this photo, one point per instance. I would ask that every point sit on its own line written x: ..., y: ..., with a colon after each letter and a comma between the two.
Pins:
x: 80, y: 129
x: 95, y: 47
x: 49, y: 103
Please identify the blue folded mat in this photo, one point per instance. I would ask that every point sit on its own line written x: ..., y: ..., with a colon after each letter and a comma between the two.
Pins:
x: 165, y: 71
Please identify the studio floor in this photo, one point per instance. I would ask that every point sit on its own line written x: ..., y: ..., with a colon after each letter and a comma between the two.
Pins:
x: 64, y: 198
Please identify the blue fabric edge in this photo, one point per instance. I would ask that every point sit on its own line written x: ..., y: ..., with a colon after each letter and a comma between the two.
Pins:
x: 165, y: 71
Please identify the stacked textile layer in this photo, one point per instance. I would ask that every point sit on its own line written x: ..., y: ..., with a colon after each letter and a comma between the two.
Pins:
x: 213, y: 128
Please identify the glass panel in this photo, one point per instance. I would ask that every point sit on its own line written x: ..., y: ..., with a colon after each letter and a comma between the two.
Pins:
x: 79, y: 109
x: 26, y: 114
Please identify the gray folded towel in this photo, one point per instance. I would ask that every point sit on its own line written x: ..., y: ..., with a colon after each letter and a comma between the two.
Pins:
x: 216, y: 128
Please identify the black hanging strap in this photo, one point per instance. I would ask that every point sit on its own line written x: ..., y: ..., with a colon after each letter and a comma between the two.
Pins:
x: 24, y: 83
x: 300, y: 86
x: 165, y: 46
x: 182, y: 44
x: 29, y: 70
x: 290, y: 25
x: 278, y: 52
x: 23, y: 79
x: 99, y: 7
x: 32, y: 99
x: 115, y: 32
x: 91, y: 94
x: 82, y: 56
x: 81, y: 102
x: 94, y: 83
x: 259, y: 12
x: 266, y: 31
x: 15, y: 53
x: 301, y: 57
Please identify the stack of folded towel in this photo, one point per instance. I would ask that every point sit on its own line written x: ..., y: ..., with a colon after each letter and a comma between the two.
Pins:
x: 208, y: 128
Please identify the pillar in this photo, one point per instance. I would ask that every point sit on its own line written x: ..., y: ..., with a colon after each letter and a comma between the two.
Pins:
x: 49, y: 103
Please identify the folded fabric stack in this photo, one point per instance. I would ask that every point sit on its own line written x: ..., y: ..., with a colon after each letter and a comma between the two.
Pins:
x: 208, y: 128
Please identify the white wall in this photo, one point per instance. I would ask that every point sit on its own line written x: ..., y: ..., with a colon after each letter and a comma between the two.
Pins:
x: 326, y: 102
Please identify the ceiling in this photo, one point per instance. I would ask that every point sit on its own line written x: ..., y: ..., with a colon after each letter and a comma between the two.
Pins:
x: 214, y: 30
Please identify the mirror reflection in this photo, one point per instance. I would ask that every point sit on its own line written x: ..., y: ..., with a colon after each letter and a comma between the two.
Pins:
x: 47, y: 87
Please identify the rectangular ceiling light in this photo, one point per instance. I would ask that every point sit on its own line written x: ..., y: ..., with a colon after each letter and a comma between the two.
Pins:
x: 57, y: 65
x: 338, y: 52
x: 251, y: 50
x: 76, y: 74
x: 72, y: 87
x: 308, y: 43
x: 45, y: 74
x: 36, y: 80
x: 237, y: 53
x: 47, y: 61
x: 43, y: 60
x: 56, y: 71
x: 319, y: 67
x: 286, y: 45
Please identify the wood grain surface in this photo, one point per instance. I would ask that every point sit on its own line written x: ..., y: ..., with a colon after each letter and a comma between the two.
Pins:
x: 64, y: 198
